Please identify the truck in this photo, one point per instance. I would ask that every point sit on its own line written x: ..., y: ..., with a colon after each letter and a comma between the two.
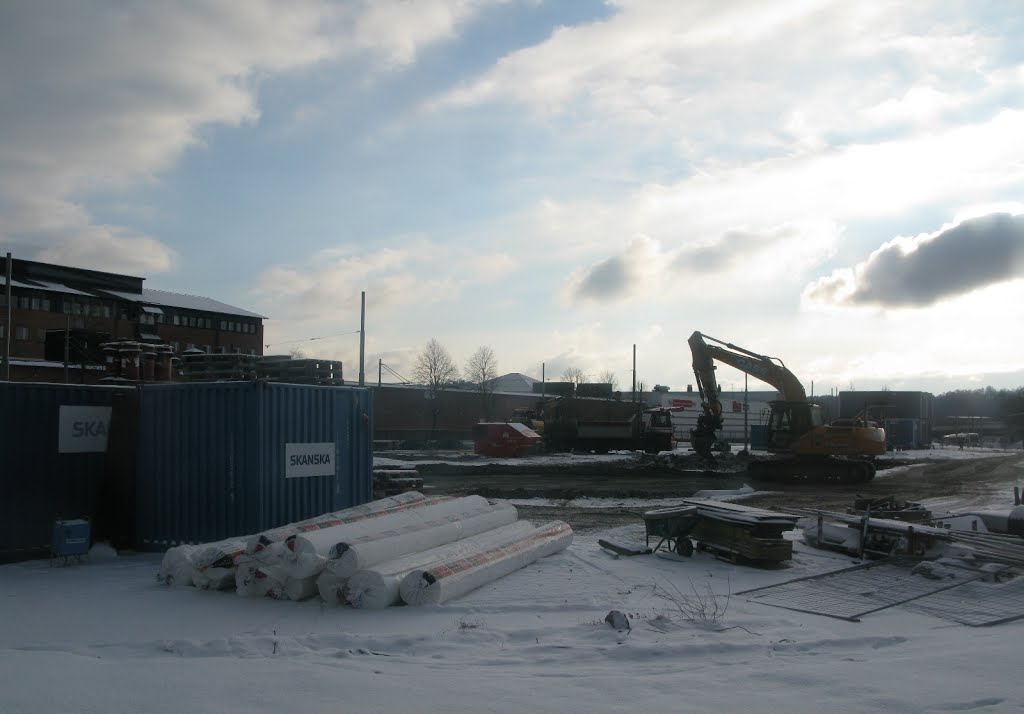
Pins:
x: 600, y: 425
x: 802, y: 446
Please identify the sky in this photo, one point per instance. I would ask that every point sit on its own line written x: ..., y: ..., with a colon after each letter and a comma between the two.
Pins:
x: 835, y: 184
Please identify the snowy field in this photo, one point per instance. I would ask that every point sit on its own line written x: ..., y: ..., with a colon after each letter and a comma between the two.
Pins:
x: 105, y: 637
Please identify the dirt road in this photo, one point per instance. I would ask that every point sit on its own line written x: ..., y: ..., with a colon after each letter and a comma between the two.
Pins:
x: 957, y: 483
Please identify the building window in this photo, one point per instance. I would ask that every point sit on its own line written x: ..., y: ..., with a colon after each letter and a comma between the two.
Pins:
x: 78, y: 322
x: 21, y: 333
x: 223, y: 325
x: 41, y: 335
x: 176, y: 320
x: 2, y: 327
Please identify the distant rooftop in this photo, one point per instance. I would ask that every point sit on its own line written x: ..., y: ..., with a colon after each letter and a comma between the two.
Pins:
x: 79, y: 281
x: 514, y: 382
x: 192, y: 302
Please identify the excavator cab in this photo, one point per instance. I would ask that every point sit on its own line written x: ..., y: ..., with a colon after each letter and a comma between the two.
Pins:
x: 788, y: 421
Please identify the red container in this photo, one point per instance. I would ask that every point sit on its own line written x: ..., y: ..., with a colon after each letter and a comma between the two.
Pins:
x: 503, y: 439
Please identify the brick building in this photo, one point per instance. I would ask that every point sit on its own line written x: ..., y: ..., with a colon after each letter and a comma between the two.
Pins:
x: 57, y: 310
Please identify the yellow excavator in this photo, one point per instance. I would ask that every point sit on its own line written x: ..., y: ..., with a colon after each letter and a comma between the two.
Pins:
x: 803, y: 447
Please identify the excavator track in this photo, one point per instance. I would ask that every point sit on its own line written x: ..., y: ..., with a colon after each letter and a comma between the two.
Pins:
x: 826, y: 470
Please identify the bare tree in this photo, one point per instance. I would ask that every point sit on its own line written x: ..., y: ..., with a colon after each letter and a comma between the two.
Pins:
x: 481, y: 371
x: 574, y: 375
x: 608, y: 377
x: 436, y: 369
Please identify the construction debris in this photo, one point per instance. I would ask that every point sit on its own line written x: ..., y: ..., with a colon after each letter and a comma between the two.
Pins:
x: 726, y: 529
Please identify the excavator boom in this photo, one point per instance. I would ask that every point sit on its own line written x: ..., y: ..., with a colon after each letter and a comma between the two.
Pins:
x: 770, y: 370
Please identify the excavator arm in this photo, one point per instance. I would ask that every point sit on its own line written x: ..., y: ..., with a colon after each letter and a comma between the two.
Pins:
x: 770, y: 370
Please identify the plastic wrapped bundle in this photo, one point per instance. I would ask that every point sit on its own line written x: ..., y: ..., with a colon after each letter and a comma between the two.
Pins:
x: 377, y: 587
x: 451, y: 579
x: 350, y: 556
x: 176, y: 566
x: 221, y: 554
x: 253, y: 579
x: 276, y: 536
x: 213, y: 578
x: 307, y: 553
x: 297, y: 589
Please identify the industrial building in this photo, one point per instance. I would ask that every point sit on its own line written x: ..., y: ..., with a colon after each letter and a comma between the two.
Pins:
x: 908, y: 417
x: 62, y: 314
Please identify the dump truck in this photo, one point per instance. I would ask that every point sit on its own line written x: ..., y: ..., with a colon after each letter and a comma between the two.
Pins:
x: 601, y: 425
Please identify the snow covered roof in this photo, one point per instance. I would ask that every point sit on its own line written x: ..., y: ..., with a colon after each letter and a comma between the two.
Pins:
x: 514, y: 382
x: 191, y: 302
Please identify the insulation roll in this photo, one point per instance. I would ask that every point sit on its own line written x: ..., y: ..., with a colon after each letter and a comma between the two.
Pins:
x: 213, y: 578
x: 253, y: 579
x: 299, y: 589
x: 453, y: 578
x: 176, y: 566
x: 351, y: 556
x: 268, y: 538
x: 377, y: 587
x: 331, y: 587
x: 221, y: 554
x: 306, y: 554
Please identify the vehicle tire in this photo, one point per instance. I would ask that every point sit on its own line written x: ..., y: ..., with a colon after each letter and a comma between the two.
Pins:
x: 684, y: 546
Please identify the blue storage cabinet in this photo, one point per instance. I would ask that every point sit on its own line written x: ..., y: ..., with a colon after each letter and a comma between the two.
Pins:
x: 70, y: 539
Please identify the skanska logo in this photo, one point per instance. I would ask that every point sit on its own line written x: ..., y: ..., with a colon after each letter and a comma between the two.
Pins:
x: 310, y: 460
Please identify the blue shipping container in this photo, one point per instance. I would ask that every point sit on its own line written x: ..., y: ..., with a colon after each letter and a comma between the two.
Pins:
x: 53, y: 460
x: 225, y: 459
x: 758, y: 437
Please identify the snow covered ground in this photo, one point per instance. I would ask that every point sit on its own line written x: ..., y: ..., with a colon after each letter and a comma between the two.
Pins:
x: 105, y: 637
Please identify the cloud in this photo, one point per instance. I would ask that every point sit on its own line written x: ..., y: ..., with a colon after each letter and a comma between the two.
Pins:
x: 617, y: 277
x: 98, y: 96
x: 737, y: 255
x: 112, y: 248
x: 722, y: 79
x: 923, y: 270
x: 413, y: 273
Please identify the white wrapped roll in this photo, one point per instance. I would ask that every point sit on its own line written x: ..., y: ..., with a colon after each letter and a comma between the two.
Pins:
x: 331, y: 587
x: 377, y: 587
x: 268, y: 538
x: 307, y: 553
x: 176, y: 566
x: 253, y: 579
x: 299, y: 589
x: 221, y: 554
x: 445, y: 581
x: 213, y: 578
x: 351, y: 556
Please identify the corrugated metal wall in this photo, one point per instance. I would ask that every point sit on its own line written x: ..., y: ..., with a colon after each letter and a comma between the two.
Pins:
x: 212, y: 463
x: 39, y: 482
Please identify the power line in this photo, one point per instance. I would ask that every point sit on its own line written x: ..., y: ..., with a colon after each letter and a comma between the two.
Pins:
x: 311, y: 339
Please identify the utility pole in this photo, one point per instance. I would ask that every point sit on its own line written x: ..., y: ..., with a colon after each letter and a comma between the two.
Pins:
x: 634, y: 371
x: 67, y: 347
x: 746, y: 431
x: 362, y: 340
x: 8, y: 327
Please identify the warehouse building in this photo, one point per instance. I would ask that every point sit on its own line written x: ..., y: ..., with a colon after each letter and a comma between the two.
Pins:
x: 62, y: 314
